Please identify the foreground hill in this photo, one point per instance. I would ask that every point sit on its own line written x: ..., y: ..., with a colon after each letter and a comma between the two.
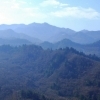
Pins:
x: 31, y: 73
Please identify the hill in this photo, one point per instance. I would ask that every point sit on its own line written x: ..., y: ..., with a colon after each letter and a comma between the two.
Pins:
x: 10, y: 34
x: 14, y: 41
x: 92, y: 48
x: 60, y: 44
x: 56, y: 74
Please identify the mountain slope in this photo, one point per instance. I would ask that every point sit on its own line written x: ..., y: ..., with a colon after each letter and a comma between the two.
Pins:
x: 10, y: 34
x: 60, y: 74
x: 92, y: 48
x: 12, y: 26
x: 14, y: 42
x: 61, y: 44
x: 47, y: 32
x: 86, y: 37
x: 50, y: 33
x: 42, y: 31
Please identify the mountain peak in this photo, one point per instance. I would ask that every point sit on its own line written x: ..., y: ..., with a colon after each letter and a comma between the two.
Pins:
x: 84, y: 31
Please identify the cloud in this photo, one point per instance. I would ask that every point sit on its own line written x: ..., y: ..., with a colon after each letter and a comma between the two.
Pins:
x: 64, y: 10
x: 34, y: 12
x: 22, y: 11
x: 14, y: 11
x: 76, y: 12
x: 52, y: 3
x: 4, y: 19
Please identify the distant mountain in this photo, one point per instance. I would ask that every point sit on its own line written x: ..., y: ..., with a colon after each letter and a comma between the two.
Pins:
x: 66, y: 43
x: 12, y: 26
x: 84, y: 31
x: 50, y: 33
x: 95, y: 44
x: 10, y: 34
x: 47, y: 45
x: 82, y: 37
x: 14, y: 41
x: 86, y: 37
x: 42, y: 31
x: 60, y: 36
x: 92, y: 48
x: 61, y: 44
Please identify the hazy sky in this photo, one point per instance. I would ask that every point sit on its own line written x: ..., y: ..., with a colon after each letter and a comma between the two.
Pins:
x: 74, y: 14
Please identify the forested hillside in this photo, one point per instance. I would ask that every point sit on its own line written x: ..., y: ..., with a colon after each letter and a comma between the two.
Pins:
x: 30, y: 73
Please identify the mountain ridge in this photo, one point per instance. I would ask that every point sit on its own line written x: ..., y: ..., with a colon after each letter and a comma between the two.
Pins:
x: 51, y: 33
x: 58, y: 74
x: 11, y: 34
x: 92, y: 48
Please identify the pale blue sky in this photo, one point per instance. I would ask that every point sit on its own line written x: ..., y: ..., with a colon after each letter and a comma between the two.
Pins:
x: 74, y: 14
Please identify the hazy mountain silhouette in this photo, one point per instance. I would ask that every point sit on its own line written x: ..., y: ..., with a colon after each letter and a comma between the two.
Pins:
x: 10, y: 34
x: 86, y: 37
x: 42, y: 31
x: 14, y: 41
x: 47, y: 32
x: 12, y: 26
x: 52, y: 33
x: 61, y: 44
x: 92, y: 48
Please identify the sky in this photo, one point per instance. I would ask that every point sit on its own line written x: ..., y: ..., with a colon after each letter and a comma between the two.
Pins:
x: 73, y: 14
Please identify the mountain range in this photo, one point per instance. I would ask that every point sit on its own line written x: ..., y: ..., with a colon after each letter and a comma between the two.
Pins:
x: 51, y: 63
x: 49, y: 36
x: 50, y: 33
x: 92, y: 48
x: 11, y: 35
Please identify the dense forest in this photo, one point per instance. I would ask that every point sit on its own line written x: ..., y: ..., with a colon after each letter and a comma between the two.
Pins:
x: 29, y: 72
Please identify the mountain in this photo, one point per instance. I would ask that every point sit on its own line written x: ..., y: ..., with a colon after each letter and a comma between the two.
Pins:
x: 12, y: 26
x: 86, y: 37
x: 82, y: 37
x: 61, y: 74
x: 92, y: 48
x: 10, y: 34
x: 14, y: 42
x: 50, y: 33
x: 42, y: 31
x: 60, y: 36
x: 61, y: 44
x: 46, y: 45
x: 84, y: 31
x: 66, y: 43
